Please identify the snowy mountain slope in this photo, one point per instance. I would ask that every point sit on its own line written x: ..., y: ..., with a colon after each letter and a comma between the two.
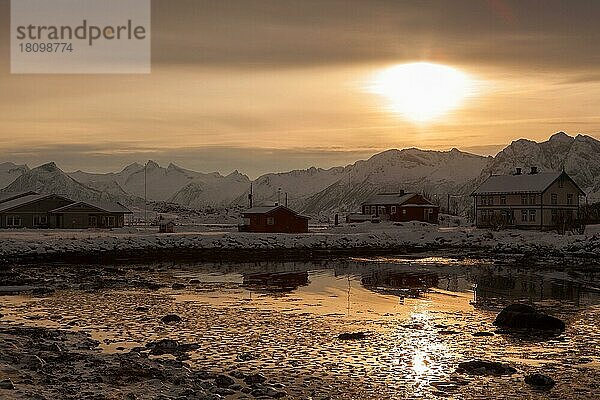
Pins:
x: 216, y: 191
x: 9, y: 172
x: 161, y: 183
x: 579, y: 156
x: 434, y: 173
x: 298, y: 184
x: 48, y: 178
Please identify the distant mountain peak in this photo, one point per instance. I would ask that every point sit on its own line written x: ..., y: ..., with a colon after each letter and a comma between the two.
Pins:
x: 560, y: 136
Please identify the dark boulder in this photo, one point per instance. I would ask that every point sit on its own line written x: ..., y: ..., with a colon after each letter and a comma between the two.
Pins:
x: 352, y: 336
x: 523, y: 317
x: 224, y: 381
x: 539, y: 381
x: 253, y: 379
x: 171, y: 319
x: 482, y: 367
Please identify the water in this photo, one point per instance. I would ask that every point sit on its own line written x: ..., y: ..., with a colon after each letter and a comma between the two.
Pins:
x: 419, y: 316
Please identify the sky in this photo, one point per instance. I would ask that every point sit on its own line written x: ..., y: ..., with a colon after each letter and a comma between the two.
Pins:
x: 274, y: 85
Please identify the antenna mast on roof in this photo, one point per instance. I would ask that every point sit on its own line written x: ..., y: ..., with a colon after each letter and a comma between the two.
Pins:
x: 250, y: 195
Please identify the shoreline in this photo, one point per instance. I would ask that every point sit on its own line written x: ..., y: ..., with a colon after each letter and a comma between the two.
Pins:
x: 30, y: 247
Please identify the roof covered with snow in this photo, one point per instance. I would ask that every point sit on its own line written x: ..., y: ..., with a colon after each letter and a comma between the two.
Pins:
x: 389, y: 198
x: 525, y: 183
x: 270, y: 209
x: 106, y: 207
x: 7, y: 196
x: 21, y: 201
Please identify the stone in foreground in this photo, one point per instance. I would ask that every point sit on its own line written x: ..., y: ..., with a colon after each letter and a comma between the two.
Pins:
x: 539, y: 381
x: 522, y: 317
x: 482, y: 367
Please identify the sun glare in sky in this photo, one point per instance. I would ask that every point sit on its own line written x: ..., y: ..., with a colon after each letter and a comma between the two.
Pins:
x: 422, y: 92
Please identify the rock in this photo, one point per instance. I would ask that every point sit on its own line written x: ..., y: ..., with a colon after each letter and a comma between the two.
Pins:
x: 142, y: 309
x: 7, y: 384
x: 171, y: 319
x: 224, y: 381
x: 1, y: 315
x: 178, y: 286
x: 223, y: 391
x: 164, y: 346
x: 253, y: 379
x: 524, y: 317
x: 479, y: 334
x: 247, y: 356
x: 539, y: 381
x: 482, y: 367
x: 352, y: 336
x: 194, y: 281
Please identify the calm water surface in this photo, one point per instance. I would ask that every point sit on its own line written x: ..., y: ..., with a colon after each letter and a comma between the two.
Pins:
x: 419, y: 316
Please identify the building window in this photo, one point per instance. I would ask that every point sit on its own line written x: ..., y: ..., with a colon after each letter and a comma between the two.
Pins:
x: 111, y: 222
x: 491, y: 200
x: 393, y: 209
x: 382, y: 210
x: 92, y: 221
x: 270, y: 221
x: 523, y: 215
x: 40, y: 220
x: 523, y: 199
x: 503, y: 200
x: 532, y: 214
x: 404, y: 211
x: 532, y: 199
x: 554, y: 215
x: 13, y: 221
x: 373, y: 210
x: 554, y: 199
x: 570, y: 199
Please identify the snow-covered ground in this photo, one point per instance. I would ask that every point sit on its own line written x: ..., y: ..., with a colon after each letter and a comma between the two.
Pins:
x: 15, y: 244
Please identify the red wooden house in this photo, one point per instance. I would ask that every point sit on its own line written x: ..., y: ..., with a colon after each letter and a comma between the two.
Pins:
x: 401, y: 207
x: 274, y: 219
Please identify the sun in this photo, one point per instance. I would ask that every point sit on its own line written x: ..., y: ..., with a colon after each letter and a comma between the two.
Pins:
x: 422, y: 92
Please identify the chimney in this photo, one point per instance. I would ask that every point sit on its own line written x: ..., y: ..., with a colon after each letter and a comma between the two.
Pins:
x: 518, y: 171
x: 402, y: 192
x: 533, y: 170
x: 250, y: 196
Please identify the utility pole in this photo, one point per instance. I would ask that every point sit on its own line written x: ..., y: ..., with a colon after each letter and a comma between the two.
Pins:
x: 145, y: 196
x: 448, y: 203
x: 286, y: 199
x: 279, y: 196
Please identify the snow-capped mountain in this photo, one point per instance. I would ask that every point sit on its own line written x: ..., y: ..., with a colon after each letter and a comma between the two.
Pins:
x: 434, y: 173
x: 213, y: 190
x: 323, y: 191
x: 9, y: 172
x: 48, y: 178
x: 579, y: 156
x: 161, y: 183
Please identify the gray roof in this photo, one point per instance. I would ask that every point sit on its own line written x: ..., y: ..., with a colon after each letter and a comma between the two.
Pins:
x: 525, y: 183
x: 7, y: 196
x: 21, y: 201
x: 269, y: 209
x: 389, y: 199
x: 261, y: 209
x: 104, y: 206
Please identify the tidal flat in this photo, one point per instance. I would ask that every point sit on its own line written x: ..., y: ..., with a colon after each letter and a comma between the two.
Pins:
x: 272, y: 330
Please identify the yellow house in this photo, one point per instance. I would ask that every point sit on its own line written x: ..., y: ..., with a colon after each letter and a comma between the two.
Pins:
x: 530, y: 201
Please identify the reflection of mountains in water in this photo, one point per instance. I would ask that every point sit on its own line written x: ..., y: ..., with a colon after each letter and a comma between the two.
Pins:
x: 399, y: 283
x: 276, y: 282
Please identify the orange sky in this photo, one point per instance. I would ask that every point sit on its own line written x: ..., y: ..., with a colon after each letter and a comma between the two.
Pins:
x: 274, y: 85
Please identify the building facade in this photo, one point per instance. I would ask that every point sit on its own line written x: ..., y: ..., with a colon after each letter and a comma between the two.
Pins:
x: 401, y: 207
x: 52, y: 211
x: 273, y: 219
x: 528, y: 201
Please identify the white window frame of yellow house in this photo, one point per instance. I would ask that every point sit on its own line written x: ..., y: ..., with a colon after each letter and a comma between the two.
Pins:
x: 532, y: 215
x: 524, y: 217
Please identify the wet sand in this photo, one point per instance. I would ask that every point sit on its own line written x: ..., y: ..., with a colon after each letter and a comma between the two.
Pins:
x: 283, y: 321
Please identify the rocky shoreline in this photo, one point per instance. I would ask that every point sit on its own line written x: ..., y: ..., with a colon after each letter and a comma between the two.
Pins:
x: 232, y: 246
